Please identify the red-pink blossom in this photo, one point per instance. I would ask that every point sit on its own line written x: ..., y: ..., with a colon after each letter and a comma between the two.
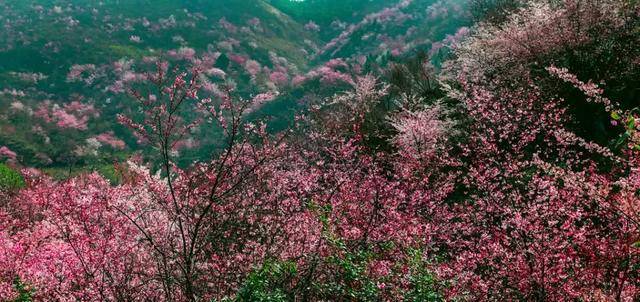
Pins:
x: 110, y: 139
x: 5, y: 152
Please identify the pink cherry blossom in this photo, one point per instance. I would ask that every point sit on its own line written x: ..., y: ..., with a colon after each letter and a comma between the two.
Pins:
x: 5, y: 152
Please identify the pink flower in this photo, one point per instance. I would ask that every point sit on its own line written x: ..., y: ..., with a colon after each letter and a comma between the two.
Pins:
x: 252, y: 67
x: 380, y: 268
x: 67, y: 120
x: 238, y: 59
x: 279, y: 78
x: 312, y: 26
x: 227, y: 25
x: 110, y: 139
x: 7, y: 153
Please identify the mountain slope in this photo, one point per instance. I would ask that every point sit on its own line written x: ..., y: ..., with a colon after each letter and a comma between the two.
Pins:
x: 61, y: 61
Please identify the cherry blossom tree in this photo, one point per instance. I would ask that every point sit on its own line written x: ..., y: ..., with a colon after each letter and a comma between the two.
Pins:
x: 475, y: 185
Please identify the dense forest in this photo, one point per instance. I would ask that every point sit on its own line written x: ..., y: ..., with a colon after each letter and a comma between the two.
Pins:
x: 320, y: 150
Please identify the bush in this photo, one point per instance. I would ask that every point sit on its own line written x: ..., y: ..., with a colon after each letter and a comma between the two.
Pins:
x: 10, y: 179
x: 424, y: 284
x: 25, y: 293
x: 271, y: 283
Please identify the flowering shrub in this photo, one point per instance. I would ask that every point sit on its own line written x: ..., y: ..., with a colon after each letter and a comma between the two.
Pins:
x: 74, y: 115
x: 532, y: 181
x: 6, y: 153
x: 478, y: 185
x: 109, y: 139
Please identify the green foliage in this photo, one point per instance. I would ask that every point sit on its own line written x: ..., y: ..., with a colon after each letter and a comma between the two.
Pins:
x: 351, y: 281
x: 110, y: 173
x: 424, y: 285
x: 25, y: 293
x: 126, y: 51
x: 10, y: 179
x: 271, y: 283
x: 324, y: 12
x: 415, y: 77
